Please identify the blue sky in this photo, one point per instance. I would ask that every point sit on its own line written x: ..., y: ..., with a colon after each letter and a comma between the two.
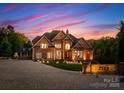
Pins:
x: 90, y: 21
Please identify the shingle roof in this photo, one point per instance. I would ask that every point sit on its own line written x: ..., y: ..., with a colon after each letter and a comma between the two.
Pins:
x: 85, y: 45
x: 74, y: 39
x: 36, y: 39
x: 52, y: 34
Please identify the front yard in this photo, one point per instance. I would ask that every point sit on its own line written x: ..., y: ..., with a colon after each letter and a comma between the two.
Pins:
x: 71, y: 67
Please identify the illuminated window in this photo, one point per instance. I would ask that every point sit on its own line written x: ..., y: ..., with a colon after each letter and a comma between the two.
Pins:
x: 88, y: 54
x: 67, y: 46
x: 49, y: 54
x: 79, y: 54
x: 57, y: 45
x: 44, y: 46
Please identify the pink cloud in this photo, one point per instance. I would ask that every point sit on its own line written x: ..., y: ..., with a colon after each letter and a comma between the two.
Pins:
x: 69, y: 25
x: 85, y: 33
x: 32, y: 18
x: 26, y: 19
x: 39, y: 32
x: 61, y: 19
x: 97, y: 34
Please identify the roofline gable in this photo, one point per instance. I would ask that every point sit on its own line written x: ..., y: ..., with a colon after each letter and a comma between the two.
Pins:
x: 57, y: 35
x: 88, y: 44
x: 76, y: 43
x: 43, y: 36
x: 68, y: 37
x: 81, y: 39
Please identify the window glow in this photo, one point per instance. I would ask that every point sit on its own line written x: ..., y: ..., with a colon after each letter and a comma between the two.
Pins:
x: 57, y: 45
x: 67, y: 46
x: 49, y: 54
x: 44, y: 45
x: 79, y: 54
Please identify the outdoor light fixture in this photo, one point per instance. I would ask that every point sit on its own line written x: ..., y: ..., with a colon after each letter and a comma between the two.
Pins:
x: 87, y: 59
x: 91, y: 55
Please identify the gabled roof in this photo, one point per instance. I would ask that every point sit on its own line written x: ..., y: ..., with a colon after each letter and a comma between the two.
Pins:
x: 83, y: 43
x: 87, y: 45
x: 51, y: 35
x: 57, y: 34
x: 74, y: 39
x: 36, y: 39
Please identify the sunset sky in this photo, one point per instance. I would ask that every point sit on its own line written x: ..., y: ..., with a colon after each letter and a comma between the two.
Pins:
x: 90, y: 21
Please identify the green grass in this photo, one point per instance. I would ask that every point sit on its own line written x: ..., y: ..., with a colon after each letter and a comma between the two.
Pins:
x: 71, y: 67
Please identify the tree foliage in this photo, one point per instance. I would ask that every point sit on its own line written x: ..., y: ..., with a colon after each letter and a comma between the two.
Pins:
x: 11, y: 41
x: 6, y: 47
x: 105, y: 50
x: 120, y: 39
x: 110, y: 50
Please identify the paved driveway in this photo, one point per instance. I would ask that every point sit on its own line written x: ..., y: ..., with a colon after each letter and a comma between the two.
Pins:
x: 25, y: 74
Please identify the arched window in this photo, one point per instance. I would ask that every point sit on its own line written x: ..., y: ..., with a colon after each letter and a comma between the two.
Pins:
x: 57, y: 45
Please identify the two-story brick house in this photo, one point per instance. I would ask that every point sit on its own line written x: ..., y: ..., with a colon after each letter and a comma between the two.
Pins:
x: 58, y: 45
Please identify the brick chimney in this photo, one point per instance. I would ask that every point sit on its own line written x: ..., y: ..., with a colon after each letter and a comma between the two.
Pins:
x: 67, y: 31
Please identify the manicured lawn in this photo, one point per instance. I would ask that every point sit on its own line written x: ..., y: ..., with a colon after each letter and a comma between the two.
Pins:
x: 72, y: 67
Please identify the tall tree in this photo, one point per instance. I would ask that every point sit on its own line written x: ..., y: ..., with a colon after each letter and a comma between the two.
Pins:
x: 6, y: 48
x: 11, y: 41
x: 120, y: 38
x: 105, y: 50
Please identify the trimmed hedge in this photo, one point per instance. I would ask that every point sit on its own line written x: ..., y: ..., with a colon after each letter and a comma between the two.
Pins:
x: 71, y: 67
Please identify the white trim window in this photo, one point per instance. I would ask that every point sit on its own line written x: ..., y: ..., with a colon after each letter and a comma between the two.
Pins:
x: 43, y: 45
x: 49, y: 54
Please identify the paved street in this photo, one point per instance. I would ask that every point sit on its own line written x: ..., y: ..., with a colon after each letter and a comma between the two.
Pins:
x: 25, y: 74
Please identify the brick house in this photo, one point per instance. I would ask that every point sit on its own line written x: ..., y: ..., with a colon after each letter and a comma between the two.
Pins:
x: 58, y: 45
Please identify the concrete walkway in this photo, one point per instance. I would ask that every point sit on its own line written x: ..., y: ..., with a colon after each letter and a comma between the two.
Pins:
x: 25, y: 74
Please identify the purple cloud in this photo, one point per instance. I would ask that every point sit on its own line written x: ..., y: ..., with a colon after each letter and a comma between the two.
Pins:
x: 103, y: 26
